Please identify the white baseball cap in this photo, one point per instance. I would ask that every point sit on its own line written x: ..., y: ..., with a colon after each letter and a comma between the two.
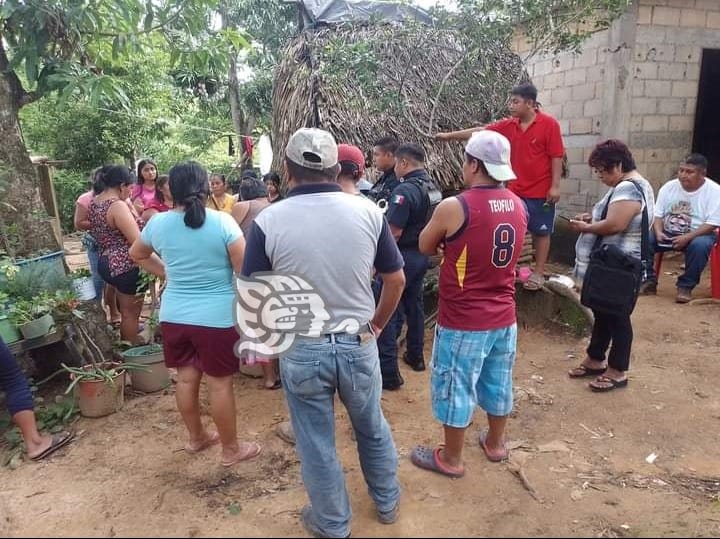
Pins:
x: 493, y: 150
x: 312, y: 148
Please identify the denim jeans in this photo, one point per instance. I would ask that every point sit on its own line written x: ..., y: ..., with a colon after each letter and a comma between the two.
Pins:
x: 697, y: 254
x: 311, y: 372
x: 410, y: 309
x: 93, y: 257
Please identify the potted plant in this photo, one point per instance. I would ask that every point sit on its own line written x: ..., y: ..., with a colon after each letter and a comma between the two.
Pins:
x: 100, y: 387
x: 156, y: 376
x: 32, y: 316
x: 8, y: 330
x: 83, y: 284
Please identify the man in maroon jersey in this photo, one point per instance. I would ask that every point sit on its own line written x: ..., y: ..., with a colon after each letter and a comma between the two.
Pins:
x: 481, y: 231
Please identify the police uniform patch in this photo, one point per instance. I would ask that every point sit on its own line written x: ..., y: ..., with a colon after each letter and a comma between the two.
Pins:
x: 399, y: 200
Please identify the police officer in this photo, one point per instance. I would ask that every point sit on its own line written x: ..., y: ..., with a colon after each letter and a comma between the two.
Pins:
x: 408, y: 212
x: 384, y: 160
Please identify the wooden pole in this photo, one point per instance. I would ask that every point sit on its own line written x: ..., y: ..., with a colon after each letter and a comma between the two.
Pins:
x: 47, y: 194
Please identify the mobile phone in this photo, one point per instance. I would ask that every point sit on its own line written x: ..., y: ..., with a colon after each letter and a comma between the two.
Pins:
x: 563, y: 217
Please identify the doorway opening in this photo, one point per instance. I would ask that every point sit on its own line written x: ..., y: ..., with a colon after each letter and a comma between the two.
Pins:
x: 706, y: 136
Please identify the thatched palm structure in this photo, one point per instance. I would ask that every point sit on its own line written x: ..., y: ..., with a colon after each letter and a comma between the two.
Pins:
x: 364, y: 81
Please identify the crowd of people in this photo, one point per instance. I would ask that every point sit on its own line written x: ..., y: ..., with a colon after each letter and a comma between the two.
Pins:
x: 367, y: 249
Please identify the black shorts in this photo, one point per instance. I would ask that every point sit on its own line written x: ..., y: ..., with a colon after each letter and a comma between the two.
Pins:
x: 125, y: 283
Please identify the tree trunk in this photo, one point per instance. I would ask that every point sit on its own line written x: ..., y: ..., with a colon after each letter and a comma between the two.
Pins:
x: 242, y: 124
x: 24, y: 223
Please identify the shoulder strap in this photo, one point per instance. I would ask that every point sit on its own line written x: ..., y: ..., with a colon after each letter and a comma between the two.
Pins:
x: 645, y: 255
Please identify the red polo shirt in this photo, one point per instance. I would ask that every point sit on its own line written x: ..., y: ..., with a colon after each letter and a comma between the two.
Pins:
x: 531, y: 153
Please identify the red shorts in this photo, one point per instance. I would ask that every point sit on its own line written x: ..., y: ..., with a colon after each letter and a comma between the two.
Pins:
x: 210, y: 350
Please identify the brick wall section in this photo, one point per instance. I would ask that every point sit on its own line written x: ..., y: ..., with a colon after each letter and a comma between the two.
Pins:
x: 671, y: 35
x: 658, y: 86
x: 570, y: 89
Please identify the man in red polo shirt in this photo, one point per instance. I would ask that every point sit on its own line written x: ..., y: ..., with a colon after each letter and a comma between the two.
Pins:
x: 536, y: 155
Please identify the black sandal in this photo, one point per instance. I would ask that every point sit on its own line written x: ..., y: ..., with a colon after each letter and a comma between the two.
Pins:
x: 614, y: 384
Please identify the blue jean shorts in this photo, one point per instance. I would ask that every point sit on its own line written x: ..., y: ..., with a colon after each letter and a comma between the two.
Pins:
x: 469, y: 369
x: 541, y: 216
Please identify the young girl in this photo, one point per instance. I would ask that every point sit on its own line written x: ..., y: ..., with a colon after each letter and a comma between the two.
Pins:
x: 143, y: 194
x: 272, y: 183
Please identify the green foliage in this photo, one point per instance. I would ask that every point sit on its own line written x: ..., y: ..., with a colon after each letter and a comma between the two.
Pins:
x: 550, y: 26
x: 27, y: 310
x: 99, y: 372
x: 72, y: 47
x: 81, y: 273
x: 34, y: 279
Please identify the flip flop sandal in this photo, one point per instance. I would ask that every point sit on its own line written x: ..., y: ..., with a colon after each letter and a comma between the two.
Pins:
x: 614, y: 384
x: 253, y: 451
x: 428, y: 458
x: 214, y: 439
x: 486, y: 450
x: 59, y: 440
x: 586, y: 372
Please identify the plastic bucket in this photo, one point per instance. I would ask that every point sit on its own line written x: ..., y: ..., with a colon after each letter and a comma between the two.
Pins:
x: 84, y: 288
x: 37, y: 328
x: 155, y: 376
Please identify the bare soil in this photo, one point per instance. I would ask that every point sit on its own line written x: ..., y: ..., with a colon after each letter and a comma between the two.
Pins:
x: 582, y: 455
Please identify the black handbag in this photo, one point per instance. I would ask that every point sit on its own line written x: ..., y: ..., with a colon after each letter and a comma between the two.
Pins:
x: 613, y: 278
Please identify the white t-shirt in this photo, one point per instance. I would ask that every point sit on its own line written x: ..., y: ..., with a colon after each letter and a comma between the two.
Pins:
x: 683, y: 212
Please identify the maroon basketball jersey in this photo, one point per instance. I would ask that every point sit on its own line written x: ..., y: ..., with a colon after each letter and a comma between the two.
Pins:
x: 477, y: 275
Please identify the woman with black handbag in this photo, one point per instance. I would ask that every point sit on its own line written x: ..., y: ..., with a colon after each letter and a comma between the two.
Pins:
x: 611, y: 254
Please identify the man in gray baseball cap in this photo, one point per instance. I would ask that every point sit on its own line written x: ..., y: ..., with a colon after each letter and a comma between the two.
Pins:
x: 331, y: 241
x: 480, y: 231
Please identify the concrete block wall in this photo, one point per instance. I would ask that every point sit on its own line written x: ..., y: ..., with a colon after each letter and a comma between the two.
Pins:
x: 570, y: 88
x: 637, y: 81
x: 670, y: 37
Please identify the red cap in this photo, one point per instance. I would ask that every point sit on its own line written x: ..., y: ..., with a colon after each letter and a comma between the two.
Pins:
x: 351, y: 154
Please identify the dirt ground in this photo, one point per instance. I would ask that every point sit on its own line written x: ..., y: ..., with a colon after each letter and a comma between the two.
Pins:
x: 583, y: 455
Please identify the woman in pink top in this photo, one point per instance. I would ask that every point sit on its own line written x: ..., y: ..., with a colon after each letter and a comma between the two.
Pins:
x: 143, y: 193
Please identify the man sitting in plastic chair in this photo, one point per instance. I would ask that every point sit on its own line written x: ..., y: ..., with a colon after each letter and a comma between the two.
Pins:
x: 687, y: 215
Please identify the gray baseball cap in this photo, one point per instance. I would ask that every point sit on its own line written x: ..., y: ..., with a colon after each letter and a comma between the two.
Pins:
x: 493, y: 149
x: 312, y: 148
